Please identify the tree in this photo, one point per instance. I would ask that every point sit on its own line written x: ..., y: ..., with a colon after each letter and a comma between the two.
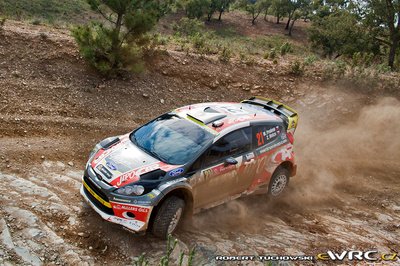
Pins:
x: 196, y: 8
x: 254, y: 7
x: 341, y: 33
x: 280, y: 8
x: 219, y: 6
x: 292, y: 6
x: 117, y: 44
x: 296, y: 9
x: 295, y: 16
x: 383, y: 18
x: 267, y: 5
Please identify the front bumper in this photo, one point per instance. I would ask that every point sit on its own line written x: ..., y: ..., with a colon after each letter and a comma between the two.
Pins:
x: 132, y: 217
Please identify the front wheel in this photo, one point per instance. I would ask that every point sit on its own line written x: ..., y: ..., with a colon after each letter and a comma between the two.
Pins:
x: 278, y: 183
x: 168, y: 217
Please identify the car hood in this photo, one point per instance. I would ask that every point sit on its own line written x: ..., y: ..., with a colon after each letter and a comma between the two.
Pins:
x: 124, y: 163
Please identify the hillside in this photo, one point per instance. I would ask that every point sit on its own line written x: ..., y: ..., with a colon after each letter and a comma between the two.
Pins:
x: 54, y: 108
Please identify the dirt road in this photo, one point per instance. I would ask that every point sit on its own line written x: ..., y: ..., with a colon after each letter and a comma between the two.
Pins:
x: 346, y: 194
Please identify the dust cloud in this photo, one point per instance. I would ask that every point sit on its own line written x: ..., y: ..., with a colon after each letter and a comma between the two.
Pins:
x: 328, y: 159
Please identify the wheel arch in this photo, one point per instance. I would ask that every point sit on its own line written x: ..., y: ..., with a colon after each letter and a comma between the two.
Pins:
x: 180, y: 192
x: 288, y: 165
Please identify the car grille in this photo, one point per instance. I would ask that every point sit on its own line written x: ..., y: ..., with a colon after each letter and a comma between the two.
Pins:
x: 101, y: 194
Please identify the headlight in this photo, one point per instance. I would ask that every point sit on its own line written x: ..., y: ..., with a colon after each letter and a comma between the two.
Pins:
x: 131, y: 190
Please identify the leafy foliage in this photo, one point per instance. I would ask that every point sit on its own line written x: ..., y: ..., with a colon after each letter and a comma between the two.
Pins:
x: 254, y: 7
x: 226, y: 55
x: 196, y: 8
x: 219, y: 6
x: 383, y: 20
x: 340, y: 33
x: 297, y: 68
x: 118, y: 44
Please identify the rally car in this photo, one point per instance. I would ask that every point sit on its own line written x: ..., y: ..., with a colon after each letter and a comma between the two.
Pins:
x: 192, y: 158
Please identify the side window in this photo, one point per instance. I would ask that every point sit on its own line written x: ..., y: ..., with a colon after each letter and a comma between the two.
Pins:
x: 233, y: 144
x: 263, y: 135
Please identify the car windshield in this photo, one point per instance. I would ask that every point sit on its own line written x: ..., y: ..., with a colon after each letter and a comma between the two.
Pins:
x: 172, y: 139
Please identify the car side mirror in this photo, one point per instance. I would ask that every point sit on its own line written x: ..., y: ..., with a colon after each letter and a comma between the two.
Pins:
x: 230, y: 161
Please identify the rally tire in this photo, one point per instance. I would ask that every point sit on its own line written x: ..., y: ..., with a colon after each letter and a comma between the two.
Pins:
x: 278, y: 183
x: 168, y: 217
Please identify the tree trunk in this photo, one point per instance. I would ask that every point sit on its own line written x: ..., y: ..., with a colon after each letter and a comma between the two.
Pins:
x: 209, y: 16
x: 288, y: 23
x: 393, y: 48
x: 115, y: 39
x: 220, y: 14
x: 291, y: 27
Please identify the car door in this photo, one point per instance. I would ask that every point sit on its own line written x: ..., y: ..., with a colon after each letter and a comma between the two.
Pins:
x: 216, y: 179
x: 266, y: 137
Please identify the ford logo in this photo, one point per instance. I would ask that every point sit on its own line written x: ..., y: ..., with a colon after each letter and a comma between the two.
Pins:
x: 111, y: 166
x: 176, y: 172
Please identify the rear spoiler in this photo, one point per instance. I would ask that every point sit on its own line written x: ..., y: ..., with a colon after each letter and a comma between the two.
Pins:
x: 288, y: 115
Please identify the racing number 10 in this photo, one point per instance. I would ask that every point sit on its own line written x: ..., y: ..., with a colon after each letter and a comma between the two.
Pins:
x: 260, y: 138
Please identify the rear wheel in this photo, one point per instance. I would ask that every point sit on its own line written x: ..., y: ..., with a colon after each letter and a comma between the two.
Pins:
x: 278, y: 183
x: 168, y: 217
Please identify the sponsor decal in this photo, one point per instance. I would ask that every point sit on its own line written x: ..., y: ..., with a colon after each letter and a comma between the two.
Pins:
x: 111, y: 165
x: 134, y: 175
x: 101, y: 154
x: 176, y: 172
x: 140, y: 213
x: 268, y: 148
x: 104, y: 171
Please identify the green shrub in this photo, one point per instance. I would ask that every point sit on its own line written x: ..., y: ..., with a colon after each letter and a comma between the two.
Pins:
x: 272, y: 54
x: 340, y: 68
x: 382, y: 68
x: 225, y: 55
x: 196, y: 8
x: 198, y: 41
x: 117, y: 46
x: 36, y: 22
x: 243, y: 57
x: 2, y: 22
x: 335, y: 69
x: 285, y: 48
x: 188, y: 27
x: 361, y: 59
x: 296, y: 68
x: 309, y: 60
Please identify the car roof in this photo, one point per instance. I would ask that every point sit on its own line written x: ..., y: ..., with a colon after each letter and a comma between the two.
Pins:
x: 222, y: 115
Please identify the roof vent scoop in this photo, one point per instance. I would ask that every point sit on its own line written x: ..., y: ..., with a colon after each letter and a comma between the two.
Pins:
x: 210, y: 110
x: 206, y: 117
x: 218, y: 123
